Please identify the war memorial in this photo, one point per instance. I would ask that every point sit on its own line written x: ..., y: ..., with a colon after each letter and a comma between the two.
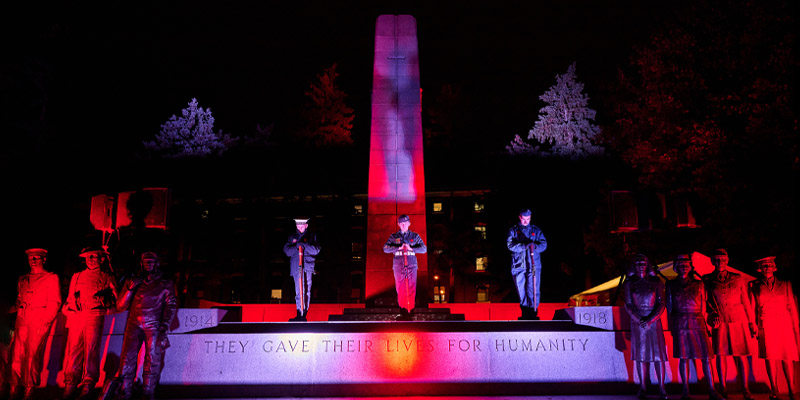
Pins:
x: 369, y: 349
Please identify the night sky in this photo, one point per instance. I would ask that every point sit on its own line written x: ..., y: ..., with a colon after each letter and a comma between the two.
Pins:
x: 112, y: 73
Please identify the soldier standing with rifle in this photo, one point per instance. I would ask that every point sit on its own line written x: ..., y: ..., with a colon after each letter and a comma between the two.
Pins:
x: 405, y: 244
x: 302, y: 248
x: 526, y: 242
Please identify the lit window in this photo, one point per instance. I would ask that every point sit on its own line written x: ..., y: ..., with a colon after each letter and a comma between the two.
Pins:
x: 437, y: 207
x: 276, y: 295
x: 439, y: 295
x: 479, y: 206
x: 357, y: 250
x: 438, y: 251
x: 358, y: 209
x: 481, y: 230
x: 480, y: 263
x: 483, y: 294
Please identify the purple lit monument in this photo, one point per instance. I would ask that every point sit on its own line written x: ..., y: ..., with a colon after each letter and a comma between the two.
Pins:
x: 396, y: 174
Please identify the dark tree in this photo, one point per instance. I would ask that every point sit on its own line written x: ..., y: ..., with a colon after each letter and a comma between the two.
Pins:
x: 708, y: 106
x: 328, y: 119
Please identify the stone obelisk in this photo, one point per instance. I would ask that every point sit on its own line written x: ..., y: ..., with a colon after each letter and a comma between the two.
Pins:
x: 396, y: 174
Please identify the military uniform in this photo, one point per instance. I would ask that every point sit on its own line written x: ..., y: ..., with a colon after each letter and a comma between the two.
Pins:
x: 151, y: 307
x: 38, y: 301
x: 729, y: 301
x: 405, y: 276
x: 311, y: 247
x: 86, y: 307
x: 776, y: 311
x: 526, y: 242
x: 685, y: 301
x: 644, y: 299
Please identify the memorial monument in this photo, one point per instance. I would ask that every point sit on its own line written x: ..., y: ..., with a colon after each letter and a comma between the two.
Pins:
x: 396, y: 173
x: 581, y: 350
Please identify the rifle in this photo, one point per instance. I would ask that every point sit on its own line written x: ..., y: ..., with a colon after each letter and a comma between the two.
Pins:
x: 533, y: 274
x: 405, y: 269
x: 302, y: 280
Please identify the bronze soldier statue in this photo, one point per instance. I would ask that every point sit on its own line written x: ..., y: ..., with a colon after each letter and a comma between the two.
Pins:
x: 776, y: 313
x: 686, y: 303
x: 38, y: 301
x: 152, y: 302
x: 730, y: 315
x: 645, y: 303
x: 92, y: 295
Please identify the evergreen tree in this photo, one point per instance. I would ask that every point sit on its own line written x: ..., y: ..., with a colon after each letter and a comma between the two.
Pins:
x: 519, y: 146
x: 190, y: 135
x: 565, y: 127
x: 328, y: 119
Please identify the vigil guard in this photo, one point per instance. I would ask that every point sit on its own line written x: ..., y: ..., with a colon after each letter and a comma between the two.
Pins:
x: 302, y: 248
x: 404, y: 245
x: 526, y: 242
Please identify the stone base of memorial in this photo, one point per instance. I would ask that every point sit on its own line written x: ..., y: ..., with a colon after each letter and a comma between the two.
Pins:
x: 583, y: 350
x: 397, y: 358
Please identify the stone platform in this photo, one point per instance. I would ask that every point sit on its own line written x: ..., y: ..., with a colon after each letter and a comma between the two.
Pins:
x: 393, y: 358
x: 584, y: 350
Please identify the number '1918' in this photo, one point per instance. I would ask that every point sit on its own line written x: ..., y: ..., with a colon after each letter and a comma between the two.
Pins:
x: 596, y: 318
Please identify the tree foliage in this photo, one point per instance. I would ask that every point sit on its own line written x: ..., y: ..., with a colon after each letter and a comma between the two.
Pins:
x: 327, y: 117
x: 189, y: 136
x: 707, y: 106
x: 565, y: 127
